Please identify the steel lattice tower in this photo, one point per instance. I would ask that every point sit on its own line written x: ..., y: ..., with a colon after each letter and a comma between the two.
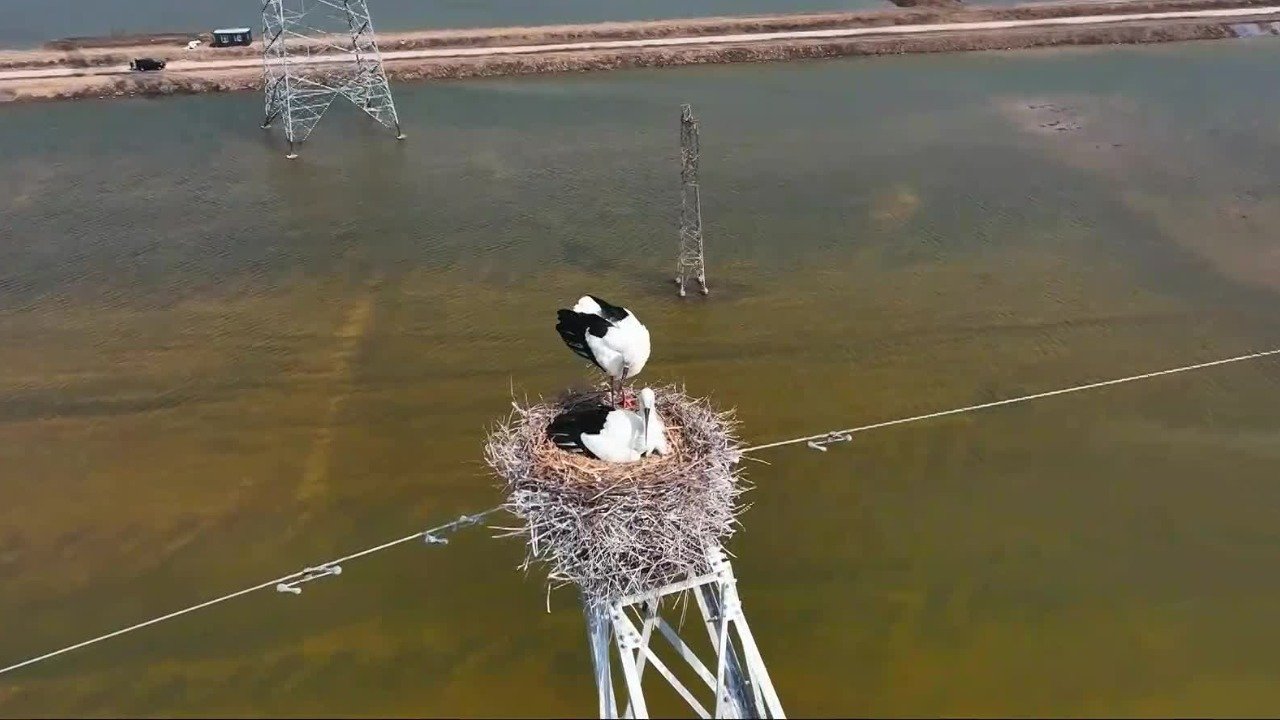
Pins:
x: 690, y: 260
x: 315, y: 51
x: 733, y: 684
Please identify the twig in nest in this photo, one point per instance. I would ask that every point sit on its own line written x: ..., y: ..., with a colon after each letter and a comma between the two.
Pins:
x: 619, y: 529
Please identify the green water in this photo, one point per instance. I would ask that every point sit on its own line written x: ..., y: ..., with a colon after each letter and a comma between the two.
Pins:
x: 218, y: 366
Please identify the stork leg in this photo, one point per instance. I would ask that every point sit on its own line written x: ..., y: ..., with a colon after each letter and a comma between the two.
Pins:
x: 625, y: 401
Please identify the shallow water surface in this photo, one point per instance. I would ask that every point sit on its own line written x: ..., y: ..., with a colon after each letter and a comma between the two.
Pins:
x: 218, y: 366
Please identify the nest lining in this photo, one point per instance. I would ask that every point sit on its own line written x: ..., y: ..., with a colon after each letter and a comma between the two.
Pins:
x: 616, y: 529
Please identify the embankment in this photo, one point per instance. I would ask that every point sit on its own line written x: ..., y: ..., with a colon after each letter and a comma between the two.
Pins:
x: 518, y: 51
x: 90, y: 52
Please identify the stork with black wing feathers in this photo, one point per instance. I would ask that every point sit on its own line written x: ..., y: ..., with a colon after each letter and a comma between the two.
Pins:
x: 607, y: 335
x: 610, y: 434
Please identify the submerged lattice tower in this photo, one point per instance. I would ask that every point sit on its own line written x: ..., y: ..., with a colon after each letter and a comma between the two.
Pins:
x: 315, y: 51
x: 690, y: 260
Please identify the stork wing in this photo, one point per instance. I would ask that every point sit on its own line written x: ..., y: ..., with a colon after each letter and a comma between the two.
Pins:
x: 612, y: 313
x: 567, y: 429
x: 619, y: 441
x: 574, y: 327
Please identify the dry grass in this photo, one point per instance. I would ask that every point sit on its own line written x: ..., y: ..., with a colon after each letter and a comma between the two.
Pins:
x: 618, y: 529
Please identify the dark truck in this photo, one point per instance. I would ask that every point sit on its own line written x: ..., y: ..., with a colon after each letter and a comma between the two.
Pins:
x: 146, y: 64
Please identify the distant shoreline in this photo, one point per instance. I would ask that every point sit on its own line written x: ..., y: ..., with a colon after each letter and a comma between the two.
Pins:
x: 98, y: 67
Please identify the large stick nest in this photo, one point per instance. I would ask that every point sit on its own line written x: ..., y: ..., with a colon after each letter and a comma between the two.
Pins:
x: 621, y: 528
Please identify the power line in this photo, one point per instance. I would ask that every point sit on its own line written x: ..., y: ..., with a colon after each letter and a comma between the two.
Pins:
x: 292, y: 582
x: 818, y: 442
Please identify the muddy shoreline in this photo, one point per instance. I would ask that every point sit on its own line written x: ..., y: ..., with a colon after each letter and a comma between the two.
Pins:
x: 194, y: 81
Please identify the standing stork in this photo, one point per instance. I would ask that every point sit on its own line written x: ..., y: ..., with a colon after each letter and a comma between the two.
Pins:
x: 609, y: 336
x: 610, y: 434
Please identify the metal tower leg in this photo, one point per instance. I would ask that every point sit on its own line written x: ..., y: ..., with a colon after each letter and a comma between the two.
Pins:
x: 690, y: 259
x: 599, y: 633
x: 735, y: 685
x: 301, y: 91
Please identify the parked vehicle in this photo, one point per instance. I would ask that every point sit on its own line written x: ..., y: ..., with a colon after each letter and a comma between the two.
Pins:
x: 146, y: 64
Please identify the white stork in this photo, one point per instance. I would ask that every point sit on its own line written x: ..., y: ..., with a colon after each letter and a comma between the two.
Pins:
x: 612, y: 435
x: 609, y: 336
x: 655, y: 431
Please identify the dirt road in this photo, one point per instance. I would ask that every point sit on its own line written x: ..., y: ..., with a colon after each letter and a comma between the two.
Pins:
x: 204, y: 74
x: 734, y: 39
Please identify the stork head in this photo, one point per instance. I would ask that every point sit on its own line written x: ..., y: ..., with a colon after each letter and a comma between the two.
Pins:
x: 647, y: 403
